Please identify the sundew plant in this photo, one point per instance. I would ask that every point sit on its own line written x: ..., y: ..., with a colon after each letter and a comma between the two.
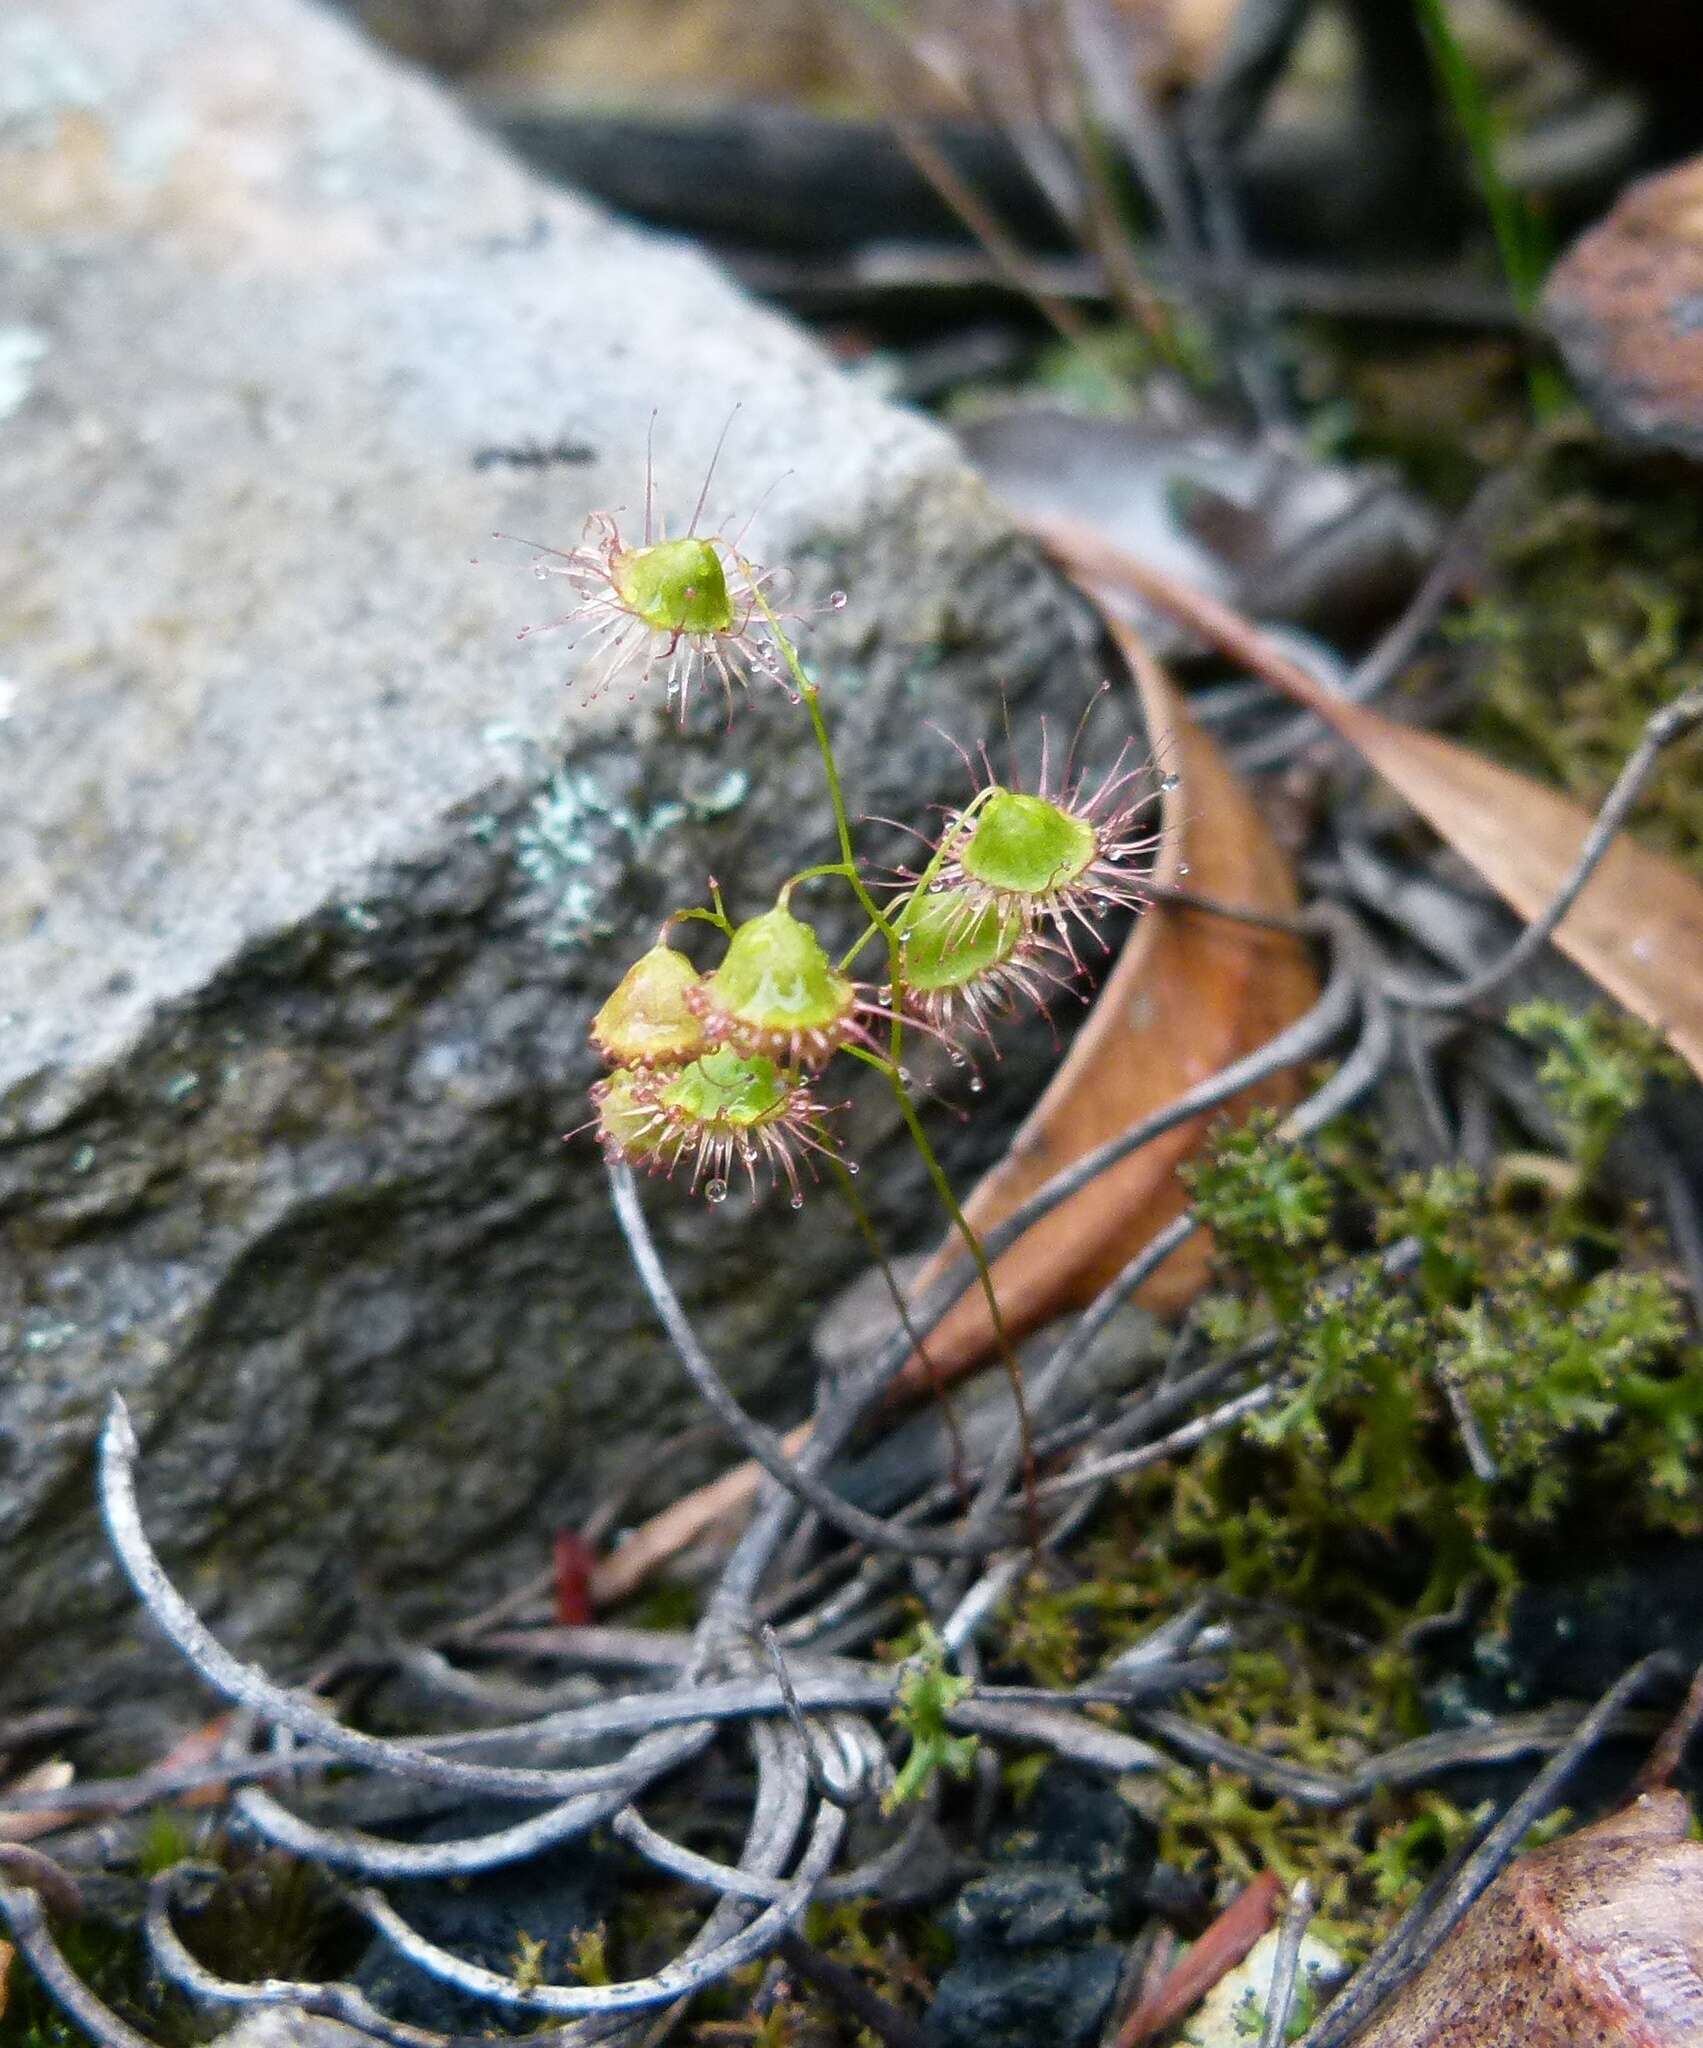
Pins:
x: 722, y: 1074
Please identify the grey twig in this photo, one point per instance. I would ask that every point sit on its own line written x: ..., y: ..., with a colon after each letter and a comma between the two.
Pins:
x: 24, y: 1914
x: 1373, y: 674
x: 753, y: 1437
x: 1443, y: 1903
x: 30, y: 1870
x: 1673, y: 722
x: 1280, y: 2000
x: 828, y: 1785
x: 1409, y: 1763
x: 677, y: 1980
x: 250, y: 1687
x: 846, y: 1991
x: 179, y: 1966
x: 1155, y: 1453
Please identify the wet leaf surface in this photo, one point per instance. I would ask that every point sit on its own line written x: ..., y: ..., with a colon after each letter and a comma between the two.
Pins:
x: 1637, y: 929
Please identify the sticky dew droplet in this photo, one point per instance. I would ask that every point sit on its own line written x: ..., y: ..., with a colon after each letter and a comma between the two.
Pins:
x: 715, y: 1191
x: 797, y: 1201
x: 1170, y: 782
x: 837, y: 601
x: 977, y: 1084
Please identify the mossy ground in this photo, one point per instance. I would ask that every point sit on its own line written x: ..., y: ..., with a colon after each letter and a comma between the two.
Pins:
x: 1592, y: 620
x: 273, y: 1917
x: 1547, y: 1307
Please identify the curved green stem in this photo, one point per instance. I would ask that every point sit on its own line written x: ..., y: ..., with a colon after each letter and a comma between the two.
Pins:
x: 878, y: 1251
x: 891, y: 1066
x: 827, y: 867
x: 984, y: 1271
x: 718, y: 917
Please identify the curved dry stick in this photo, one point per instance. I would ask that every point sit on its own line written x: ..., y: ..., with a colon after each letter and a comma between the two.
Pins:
x: 753, y: 1437
x: 719, y: 1946
x: 25, y: 1915
x: 251, y: 1687
x: 848, y: 1687
x: 30, y: 1870
x: 1121, y: 1463
x: 676, y: 1980
x: 1672, y: 722
x: 863, y: 1880
x: 178, y: 1966
x: 380, y: 1856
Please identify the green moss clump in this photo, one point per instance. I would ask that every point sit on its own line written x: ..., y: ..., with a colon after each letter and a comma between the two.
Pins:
x: 1597, y: 1068
x: 1431, y: 1431
x: 1269, y: 1206
x: 1594, y: 621
x: 1529, y: 1371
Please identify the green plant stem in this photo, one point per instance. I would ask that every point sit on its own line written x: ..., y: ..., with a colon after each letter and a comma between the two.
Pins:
x: 892, y: 1066
x: 936, y: 1385
x: 815, y: 874
x: 1518, y: 242
x: 984, y: 1272
x: 718, y: 917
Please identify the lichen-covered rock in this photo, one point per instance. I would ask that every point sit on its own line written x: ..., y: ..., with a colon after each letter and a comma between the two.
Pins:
x: 311, y: 876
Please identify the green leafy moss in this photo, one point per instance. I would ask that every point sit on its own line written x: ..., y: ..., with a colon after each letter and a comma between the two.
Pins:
x: 1597, y: 1068
x: 1593, y: 621
x: 1327, y: 1524
x: 926, y: 1694
x: 1269, y: 1205
x: 1431, y: 1430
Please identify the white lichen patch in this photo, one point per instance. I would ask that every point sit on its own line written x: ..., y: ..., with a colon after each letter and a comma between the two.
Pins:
x: 1232, y: 2015
x: 44, y: 75
x: 21, y: 348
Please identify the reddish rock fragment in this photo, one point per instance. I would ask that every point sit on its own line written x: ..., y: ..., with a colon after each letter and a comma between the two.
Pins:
x: 1625, y: 306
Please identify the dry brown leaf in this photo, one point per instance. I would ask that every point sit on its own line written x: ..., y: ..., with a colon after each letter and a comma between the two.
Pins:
x: 1227, y: 1942
x: 1596, y: 1938
x: 679, y: 53
x: 1637, y: 928
x: 199, y: 1746
x: 1190, y: 993
x: 52, y: 1776
x: 694, y: 53
x: 8, y: 1955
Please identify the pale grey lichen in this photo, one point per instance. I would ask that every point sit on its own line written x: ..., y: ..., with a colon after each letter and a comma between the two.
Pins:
x: 574, y: 828
x: 21, y: 348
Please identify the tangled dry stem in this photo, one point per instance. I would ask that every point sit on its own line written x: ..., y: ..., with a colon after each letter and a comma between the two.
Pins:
x: 807, y: 1717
